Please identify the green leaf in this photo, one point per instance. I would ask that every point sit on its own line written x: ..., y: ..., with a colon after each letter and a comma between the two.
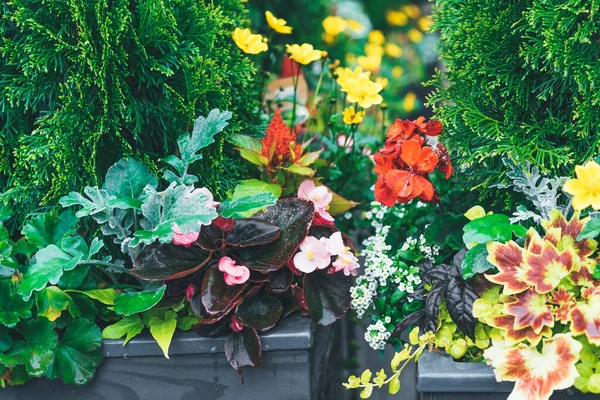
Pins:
x: 36, y: 350
x: 339, y: 204
x: 298, y: 169
x: 186, y: 323
x: 591, y: 230
x: 12, y: 306
x: 162, y: 330
x: 445, y: 230
x: 52, y: 301
x: 240, y: 207
x: 104, y: 296
x: 50, y: 263
x: 5, y: 339
x: 254, y: 186
x: 309, y: 158
x: 126, y: 180
x: 246, y: 142
x: 74, y: 278
x: 77, y: 354
x: 255, y: 158
x: 129, y: 303
x: 181, y: 205
x: 475, y: 261
x: 46, y: 229
x: 494, y: 227
x: 128, y: 326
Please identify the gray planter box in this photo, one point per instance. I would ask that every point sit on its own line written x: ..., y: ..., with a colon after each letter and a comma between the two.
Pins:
x: 298, y: 360
x: 439, y: 377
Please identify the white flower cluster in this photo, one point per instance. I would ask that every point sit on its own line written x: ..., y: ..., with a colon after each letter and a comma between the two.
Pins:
x: 381, y: 271
x: 377, y: 335
x: 430, y: 252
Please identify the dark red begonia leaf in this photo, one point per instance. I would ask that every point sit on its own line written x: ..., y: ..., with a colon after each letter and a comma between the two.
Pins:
x: 259, y: 311
x: 280, y: 280
x: 218, y: 297
x: 161, y: 262
x: 211, y: 238
x: 243, y: 349
x: 327, y: 295
x: 252, y: 232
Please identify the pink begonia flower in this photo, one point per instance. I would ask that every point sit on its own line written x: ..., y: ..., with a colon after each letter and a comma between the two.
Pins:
x: 343, y: 141
x: 189, y: 292
x: 235, y: 324
x: 234, y: 274
x: 313, y: 255
x: 183, y: 239
x: 319, y: 195
x: 346, y: 260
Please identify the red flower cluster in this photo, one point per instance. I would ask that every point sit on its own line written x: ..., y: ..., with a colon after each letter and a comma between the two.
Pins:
x: 403, y: 164
x: 278, y: 139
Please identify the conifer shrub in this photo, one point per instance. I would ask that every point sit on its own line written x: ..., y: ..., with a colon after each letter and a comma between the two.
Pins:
x: 522, y: 81
x: 85, y: 83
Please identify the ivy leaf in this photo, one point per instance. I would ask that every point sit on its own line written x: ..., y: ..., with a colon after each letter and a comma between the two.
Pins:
x: 162, y: 330
x: 36, y: 350
x: 591, y: 230
x: 475, y: 261
x: 129, y: 326
x: 104, y: 296
x: 52, y: 301
x: 189, y: 145
x: 46, y: 229
x: 129, y: 303
x: 77, y: 354
x: 246, y: 205
x: 181, y: 205
x: 494, y: 227
x: 127, y: 178
x: 12, y: 306
x: 243, y: 349
x: 50, y: 263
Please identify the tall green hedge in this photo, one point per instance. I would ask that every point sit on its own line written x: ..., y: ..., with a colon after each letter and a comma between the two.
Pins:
x: 83, y: 83
x: 523, y: 80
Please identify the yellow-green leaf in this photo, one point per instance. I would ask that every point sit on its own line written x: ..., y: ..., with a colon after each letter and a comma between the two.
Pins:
x: 298, y: 169
x: 246, y: 142
x: 104, y: 296
x: 129, y: 327
x: 366, y: 392
x: 162, y: 330
x: 365, y: 377
x: 52, y: 301
x: 254, y: 157
x: 309, y: 158
x: 394, y: 385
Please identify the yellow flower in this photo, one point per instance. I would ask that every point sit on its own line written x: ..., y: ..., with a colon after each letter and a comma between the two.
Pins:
x: 363, y: 91
x: 354, y: 25
x: 425, y: 23
x: 334, y: 25
x: 304, y: 54
x: 412, y: 10
x: 393, y: 50
x: 247, y: 41
x: 415, y: 35
x: 350, y: 58
x: 397, y: 71
x: 374, y: 50
x: 370, y: 63
x: 397, y: 18
x: 586, y: 188
x: 382, y: 81
x: 352, y: 117
x: 376, y: 36
x: 409, y: 102
x: 279, y: 25
x: 343, y: 74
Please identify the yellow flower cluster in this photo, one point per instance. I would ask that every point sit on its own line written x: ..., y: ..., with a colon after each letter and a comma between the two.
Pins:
x: 359, y: 87
x: 335, y: 25
x: 249, y: 43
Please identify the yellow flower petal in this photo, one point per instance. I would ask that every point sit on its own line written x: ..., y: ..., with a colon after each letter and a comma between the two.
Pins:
x: 279, y: 25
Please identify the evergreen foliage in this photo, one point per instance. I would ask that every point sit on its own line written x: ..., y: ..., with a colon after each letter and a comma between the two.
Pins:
x: 86, y: 83
x: 522, y: 80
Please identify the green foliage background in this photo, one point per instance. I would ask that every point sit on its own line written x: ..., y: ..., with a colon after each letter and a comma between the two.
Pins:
x: 84, y: 83
x: 523, y: 80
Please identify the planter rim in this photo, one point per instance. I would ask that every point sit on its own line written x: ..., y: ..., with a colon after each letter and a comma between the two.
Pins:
x: 440, y: 373
x: 292, y: 333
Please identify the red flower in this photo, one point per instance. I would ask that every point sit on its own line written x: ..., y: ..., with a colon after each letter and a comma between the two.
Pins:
x: 444, y: 166
x: 278, y: 138
x: 431, y: 128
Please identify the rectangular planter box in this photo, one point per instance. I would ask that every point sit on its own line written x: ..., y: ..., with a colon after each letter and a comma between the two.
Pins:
x: 439, y: 377
x: 297, y: 364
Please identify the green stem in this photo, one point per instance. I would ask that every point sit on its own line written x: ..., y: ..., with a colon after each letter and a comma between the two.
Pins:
x: 295, y: 79
x: 316, y: 95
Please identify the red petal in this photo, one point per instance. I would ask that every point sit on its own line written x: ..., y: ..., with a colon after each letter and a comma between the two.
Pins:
x: 384, y: 194
x: 428, y: 160
x: 427, y: 189
x: 411, y: 152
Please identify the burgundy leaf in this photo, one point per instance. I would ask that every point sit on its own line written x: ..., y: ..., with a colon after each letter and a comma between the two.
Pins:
x: 161, y: 262
x: 260, y: 311
x: 280, y: 280
x: 252, y: 232
x: 211, y: 238
x: 243, y: 349
x: 294, y: 217
x: 218, y: 297
x: 327, y: 295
